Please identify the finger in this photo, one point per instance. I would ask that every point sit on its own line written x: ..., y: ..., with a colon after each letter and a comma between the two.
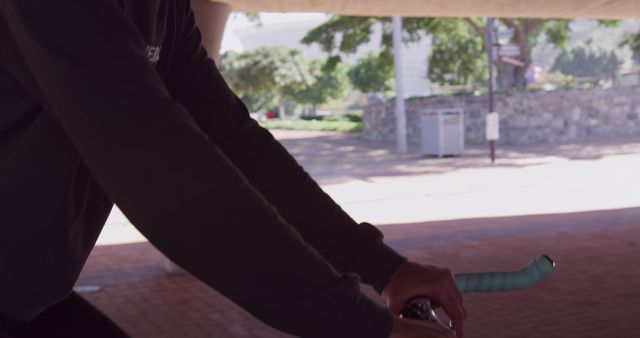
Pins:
x: 453, y: 307
x: 441, y: 330
x: 454, y: 313
x: 459, y: 300
x: 431, y: 329
x: 454, y: 288
x: 457, y: 320
x: 448, y: 297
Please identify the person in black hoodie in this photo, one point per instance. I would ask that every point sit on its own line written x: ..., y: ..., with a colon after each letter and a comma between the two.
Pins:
x: 107, y: 101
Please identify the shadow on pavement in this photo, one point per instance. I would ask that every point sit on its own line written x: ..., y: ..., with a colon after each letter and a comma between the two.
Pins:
x: 408, y: 237
x: 337, y: 157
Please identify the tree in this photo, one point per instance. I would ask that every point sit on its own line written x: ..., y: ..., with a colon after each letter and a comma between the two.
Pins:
x: 373, y: 73
x: 275, y: 70
x: 267, y: 76
x: 457, y: 58
x: 259, y: 101
x: 325, y: 84
x: 344, y: 34
x: 586, y: 61
x: 632, y: 40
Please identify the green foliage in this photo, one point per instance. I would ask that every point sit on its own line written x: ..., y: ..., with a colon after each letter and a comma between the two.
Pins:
x: 325, y: 84
x: 457, y: 58
x: 254, y: 18
x: 264, y: 69
x: 259, y: 101
x: 276, y: 70
x: 317, y: 125
x: 609, y: 23
x: 585, y: 61
x: 632, y: 40
x: 372, y: 74
x: 353, y: 116
x: 350, y: 121
x: 557, y: 32
x: 265, y: 77
x: 342, y: 33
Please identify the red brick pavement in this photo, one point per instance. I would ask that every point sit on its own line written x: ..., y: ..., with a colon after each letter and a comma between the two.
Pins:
x: 594, y: 292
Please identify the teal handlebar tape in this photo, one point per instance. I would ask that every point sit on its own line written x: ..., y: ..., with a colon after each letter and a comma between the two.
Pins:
x: 532, y: 273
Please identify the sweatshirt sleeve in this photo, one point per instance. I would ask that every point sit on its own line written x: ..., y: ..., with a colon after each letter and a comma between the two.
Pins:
x: 85, y: 63
x: 350, y: 247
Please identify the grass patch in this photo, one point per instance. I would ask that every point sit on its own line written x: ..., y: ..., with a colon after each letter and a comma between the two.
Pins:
x: 316, y: 125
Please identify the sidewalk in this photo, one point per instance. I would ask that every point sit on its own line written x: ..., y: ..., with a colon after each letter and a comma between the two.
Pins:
x: 578, y: 203
x: 373, y: 183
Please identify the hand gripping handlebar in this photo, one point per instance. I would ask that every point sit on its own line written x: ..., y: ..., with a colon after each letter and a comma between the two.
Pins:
x: 528, y: 275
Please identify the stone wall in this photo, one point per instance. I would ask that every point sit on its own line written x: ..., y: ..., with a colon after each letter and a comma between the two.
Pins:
x: 525, y: 118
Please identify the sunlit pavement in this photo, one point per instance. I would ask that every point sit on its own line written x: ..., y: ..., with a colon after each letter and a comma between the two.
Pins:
x: 578, y: 203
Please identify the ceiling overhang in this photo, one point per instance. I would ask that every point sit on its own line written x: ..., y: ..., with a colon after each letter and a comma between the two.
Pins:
x: 597, y: 9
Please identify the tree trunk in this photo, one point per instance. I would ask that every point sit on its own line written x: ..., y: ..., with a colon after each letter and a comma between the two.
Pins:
x: 512, y: 76
x: 521, y: 75
x: 525, y: 57
x: 506, y: 75
x: 281, y: 110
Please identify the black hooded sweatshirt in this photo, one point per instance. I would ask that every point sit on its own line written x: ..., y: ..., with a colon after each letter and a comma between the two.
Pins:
x: 105, y: 101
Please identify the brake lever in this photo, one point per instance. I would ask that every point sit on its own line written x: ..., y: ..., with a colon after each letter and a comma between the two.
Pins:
x: 419, y: 308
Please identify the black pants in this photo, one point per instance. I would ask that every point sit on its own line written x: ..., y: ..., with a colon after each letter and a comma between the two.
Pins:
x: 74, y: 317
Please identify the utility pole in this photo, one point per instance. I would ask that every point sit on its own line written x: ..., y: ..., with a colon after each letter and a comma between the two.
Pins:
x: 401, y: 115
x: 492, y: 116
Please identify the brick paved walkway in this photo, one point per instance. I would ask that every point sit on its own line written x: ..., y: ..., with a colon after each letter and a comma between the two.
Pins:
x: 594, y: 293
x: 440, y: 212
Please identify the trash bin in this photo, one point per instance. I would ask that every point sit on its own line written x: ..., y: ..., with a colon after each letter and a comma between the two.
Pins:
x: 442, y: 132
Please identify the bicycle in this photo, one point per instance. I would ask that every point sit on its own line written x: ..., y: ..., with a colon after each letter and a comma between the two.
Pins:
x: 535, y: 271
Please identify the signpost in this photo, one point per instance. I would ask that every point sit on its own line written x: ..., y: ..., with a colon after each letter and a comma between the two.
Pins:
x: 512, y: 61
x: 493, y: 127
x: 507, y: 53
x: 509, y: 49
x: 401, y: 118
x: 489, y: 43
x: 505, y: 34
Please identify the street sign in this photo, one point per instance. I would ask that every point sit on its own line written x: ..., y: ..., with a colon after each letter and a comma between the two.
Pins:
x: 512, y: 61
x: 509, y: 50
x: 493, y: 127
x: 505, y: 34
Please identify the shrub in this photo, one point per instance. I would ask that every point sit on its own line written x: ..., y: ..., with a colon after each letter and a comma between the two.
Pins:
x: 316, y: 125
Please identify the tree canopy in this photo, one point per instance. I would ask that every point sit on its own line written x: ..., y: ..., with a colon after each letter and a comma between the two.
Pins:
x: 326, y: 84
x: 586, y: 61
x: 457, y: 58
x: 454, y: 39
x: 373, y: 73
x: 268, y: 75
x: 632, y: 40
x: 264, y: 69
